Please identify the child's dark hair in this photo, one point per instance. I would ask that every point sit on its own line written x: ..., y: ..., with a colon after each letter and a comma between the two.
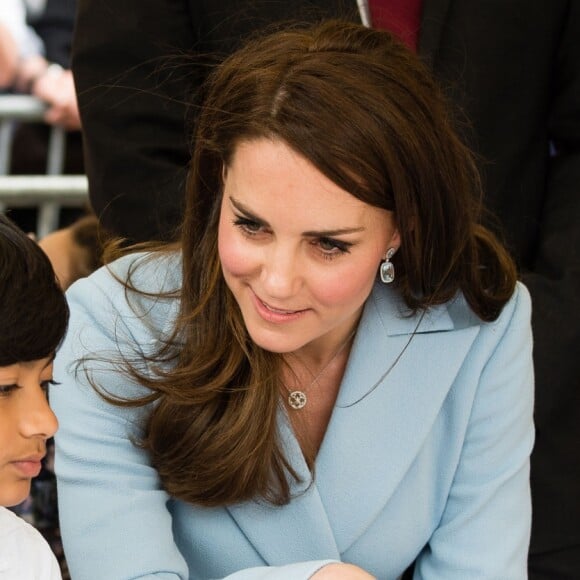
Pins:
x: 33, y: 308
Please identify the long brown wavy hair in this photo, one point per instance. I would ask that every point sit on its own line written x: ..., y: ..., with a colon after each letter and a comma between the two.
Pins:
x: 367, y: 114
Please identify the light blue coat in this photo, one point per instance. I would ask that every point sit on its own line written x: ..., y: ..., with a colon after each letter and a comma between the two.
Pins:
x: 433, y: 463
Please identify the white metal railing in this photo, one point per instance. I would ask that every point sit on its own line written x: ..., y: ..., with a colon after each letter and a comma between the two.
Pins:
x: 48, y: 192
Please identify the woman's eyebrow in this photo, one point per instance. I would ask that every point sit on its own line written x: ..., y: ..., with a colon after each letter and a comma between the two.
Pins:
x: 243, y: 209
x: 310, y: 233
x: 335, y: 232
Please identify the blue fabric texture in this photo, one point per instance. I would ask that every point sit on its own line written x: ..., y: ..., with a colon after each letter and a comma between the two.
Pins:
x: 432, y: 464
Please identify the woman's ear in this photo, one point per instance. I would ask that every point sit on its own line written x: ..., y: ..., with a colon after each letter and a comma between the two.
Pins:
x: 395, y: 241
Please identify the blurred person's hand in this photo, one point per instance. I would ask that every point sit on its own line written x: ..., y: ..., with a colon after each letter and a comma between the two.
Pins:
x: 8, y: 58
x: 56, y: 88
x: 28, y: 71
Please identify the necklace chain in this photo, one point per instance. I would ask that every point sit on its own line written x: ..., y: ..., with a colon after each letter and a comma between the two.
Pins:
x: 297, y: 398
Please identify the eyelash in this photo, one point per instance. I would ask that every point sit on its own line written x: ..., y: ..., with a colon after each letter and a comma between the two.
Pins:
x: 50, y: 383
x: 5, y: 390
x: 247, y: 226
x: 252, y: 228
x: 338, y: 247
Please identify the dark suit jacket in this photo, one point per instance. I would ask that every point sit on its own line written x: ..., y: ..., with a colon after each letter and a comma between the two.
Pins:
x: 512, y: 66
x: 133, y: 88
x: 55, y: 27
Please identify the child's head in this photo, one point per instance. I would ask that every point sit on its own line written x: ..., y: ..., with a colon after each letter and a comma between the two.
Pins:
x: 33, y: 321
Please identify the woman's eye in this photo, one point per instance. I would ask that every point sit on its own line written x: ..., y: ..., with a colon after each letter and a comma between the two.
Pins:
x: 247, y: 225
x: 333, y: 247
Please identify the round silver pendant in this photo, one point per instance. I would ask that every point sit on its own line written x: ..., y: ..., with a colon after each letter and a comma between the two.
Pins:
x: 297, y: 399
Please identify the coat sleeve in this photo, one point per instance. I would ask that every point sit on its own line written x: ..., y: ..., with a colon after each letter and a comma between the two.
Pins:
x: 485, y: 527
x: 133, y: 94
x: 114, y: 515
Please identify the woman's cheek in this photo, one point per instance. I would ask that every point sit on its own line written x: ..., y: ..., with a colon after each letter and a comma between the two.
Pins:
x: 341, y: 286
x: 235, y: 252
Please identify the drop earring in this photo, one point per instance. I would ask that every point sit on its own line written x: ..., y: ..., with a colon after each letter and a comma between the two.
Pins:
x: 387, y: 269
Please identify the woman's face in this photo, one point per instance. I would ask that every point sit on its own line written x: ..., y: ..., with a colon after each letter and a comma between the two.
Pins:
x: 299, y: 253
x: 26, y: 422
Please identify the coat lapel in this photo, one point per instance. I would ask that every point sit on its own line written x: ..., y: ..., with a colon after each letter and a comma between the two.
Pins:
x: 369, y: 445
x: 301, y: 529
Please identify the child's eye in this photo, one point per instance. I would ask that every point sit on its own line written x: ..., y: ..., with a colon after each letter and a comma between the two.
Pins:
x: 48, y: 383
x: 5, y: 390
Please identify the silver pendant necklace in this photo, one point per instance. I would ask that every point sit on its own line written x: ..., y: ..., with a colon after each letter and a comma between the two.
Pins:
x: 297, y: 398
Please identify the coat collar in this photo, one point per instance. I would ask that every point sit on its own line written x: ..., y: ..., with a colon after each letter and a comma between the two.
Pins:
x: 359, y: 456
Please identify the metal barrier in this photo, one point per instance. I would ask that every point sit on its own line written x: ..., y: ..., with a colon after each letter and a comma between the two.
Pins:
x: 48, y: 192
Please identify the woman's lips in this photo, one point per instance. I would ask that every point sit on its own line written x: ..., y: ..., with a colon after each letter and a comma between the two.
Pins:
x: 275, y: 315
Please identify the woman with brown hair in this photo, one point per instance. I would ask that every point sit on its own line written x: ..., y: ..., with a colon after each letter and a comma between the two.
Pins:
x: 331, y: 376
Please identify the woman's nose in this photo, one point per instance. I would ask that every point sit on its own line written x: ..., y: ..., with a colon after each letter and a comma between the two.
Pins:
x: 281, y: 276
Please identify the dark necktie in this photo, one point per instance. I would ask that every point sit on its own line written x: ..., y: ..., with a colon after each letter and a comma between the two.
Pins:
x: 402, y: 17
